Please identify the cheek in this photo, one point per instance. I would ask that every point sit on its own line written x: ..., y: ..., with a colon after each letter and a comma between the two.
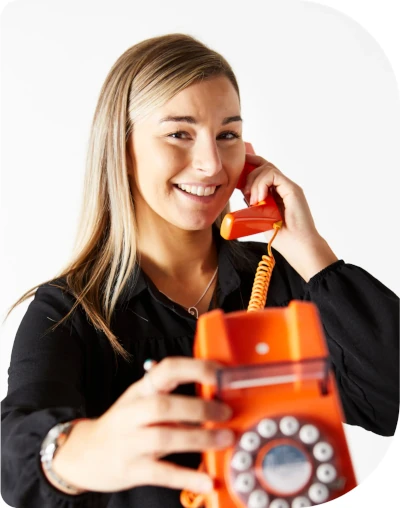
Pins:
x: 154, y: 170
x: 234, y: 161
x: 234, y: 170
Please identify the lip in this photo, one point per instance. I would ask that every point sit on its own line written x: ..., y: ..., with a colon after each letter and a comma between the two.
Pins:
x: 199, y: 184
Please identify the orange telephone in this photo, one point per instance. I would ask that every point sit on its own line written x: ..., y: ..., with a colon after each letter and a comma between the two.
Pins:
x: 291, y: 450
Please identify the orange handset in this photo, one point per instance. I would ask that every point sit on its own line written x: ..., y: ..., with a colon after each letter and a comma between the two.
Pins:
x: 255, y: 219
x: 290, y: 449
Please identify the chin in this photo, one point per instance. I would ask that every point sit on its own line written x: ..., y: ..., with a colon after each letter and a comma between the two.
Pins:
x: 197, y: 227
x: 194, y: 225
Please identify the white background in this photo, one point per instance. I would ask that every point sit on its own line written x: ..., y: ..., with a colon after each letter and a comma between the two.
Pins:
x: 319, y: 100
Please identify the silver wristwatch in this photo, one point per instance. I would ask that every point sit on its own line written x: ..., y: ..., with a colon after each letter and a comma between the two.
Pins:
x: 53, y: 440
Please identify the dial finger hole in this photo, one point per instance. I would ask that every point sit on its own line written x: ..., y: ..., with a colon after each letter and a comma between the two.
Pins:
x: 267, y: 428
x: 279, y: 503
x: 289, y: 425
x: 301, y: 502
x: 309, y: 434
x: 250, y: 441
x: 244, y: 483
x: 258, y: 499
x: 241, y: 461
x: 326, y: 473
x: 318, y: 493
x: 323, y: 451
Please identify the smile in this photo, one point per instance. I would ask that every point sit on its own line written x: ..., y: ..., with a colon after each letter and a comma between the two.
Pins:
x: 198, y: 193
x: 197, y: 190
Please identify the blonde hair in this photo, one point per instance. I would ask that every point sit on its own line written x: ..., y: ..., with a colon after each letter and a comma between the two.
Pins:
x: 105, y: 253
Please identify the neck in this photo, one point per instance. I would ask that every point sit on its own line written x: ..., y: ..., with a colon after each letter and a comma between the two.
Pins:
x: 169, y: 253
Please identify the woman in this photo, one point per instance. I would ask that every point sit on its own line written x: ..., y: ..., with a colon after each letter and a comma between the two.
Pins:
x: 165, y: 154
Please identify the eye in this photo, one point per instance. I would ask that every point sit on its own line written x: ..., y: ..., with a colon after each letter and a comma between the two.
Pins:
x: 228, y: 135
x: 178, y: 135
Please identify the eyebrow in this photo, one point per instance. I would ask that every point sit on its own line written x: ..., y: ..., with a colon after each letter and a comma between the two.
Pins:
x: 192, y: 120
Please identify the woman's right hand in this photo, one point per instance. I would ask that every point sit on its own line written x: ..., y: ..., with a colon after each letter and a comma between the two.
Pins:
x: 124, y: 446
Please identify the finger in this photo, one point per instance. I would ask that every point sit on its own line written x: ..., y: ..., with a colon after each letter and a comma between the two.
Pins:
x: 261, y: 184
x: 254, y: 195
x: 250, y: 179
x: 173, y: 371
x: 259, y: 191
x: 166, y: 474
x: 175, y: 408
x: 269, y: 178
x: 252, y: 158
x: 163, y: 440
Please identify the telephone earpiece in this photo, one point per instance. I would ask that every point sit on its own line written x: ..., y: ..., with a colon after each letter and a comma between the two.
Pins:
x: 247, y: 169
x: 258, y: 218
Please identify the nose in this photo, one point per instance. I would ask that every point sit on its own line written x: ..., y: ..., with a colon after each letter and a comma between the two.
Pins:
x: 206, y: 156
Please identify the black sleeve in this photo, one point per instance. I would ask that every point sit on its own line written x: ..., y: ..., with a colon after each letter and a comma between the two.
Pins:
x: 360, y: 317
x: 44, y: 388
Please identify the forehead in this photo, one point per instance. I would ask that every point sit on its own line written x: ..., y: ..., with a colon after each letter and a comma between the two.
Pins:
x: 211, y: 97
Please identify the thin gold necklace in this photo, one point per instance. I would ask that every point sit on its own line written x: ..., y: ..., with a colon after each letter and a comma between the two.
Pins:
x: 193, y: 309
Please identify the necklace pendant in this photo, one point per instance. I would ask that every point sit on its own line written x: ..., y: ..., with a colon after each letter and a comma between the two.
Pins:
x: 194, y: 312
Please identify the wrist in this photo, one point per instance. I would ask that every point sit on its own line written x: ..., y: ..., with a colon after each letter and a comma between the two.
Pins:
x: 64, y: 470
x: 312, y: 257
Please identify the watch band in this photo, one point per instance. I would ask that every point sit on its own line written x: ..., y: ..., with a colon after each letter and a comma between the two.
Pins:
x: 55, y: 438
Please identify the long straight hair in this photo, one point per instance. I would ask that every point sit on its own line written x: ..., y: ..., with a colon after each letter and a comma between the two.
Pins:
x: 144, y: 77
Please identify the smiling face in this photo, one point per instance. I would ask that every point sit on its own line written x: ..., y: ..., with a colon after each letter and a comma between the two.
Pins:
x: 185, y: 158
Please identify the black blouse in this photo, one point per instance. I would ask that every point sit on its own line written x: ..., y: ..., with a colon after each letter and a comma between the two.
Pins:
x: 72, y: 372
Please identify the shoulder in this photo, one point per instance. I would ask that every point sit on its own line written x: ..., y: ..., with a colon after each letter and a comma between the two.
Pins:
x: 54, y: 302
x: 56, y: 294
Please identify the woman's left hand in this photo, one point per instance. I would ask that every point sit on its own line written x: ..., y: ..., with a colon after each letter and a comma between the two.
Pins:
x: 298, y: 239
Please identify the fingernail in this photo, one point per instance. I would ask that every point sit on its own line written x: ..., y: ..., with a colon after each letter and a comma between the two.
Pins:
x: 219, y: 411
x: 225, y: 437
x: 226, y: 412
x: 205, y: 484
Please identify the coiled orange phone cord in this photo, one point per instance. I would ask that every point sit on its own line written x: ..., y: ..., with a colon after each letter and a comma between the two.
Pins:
x: 263, y: 276
x: 257, y: 302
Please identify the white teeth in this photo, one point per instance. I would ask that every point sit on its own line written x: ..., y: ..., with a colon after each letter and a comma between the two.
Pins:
x: 209, y: 190
x: 197, y: 191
